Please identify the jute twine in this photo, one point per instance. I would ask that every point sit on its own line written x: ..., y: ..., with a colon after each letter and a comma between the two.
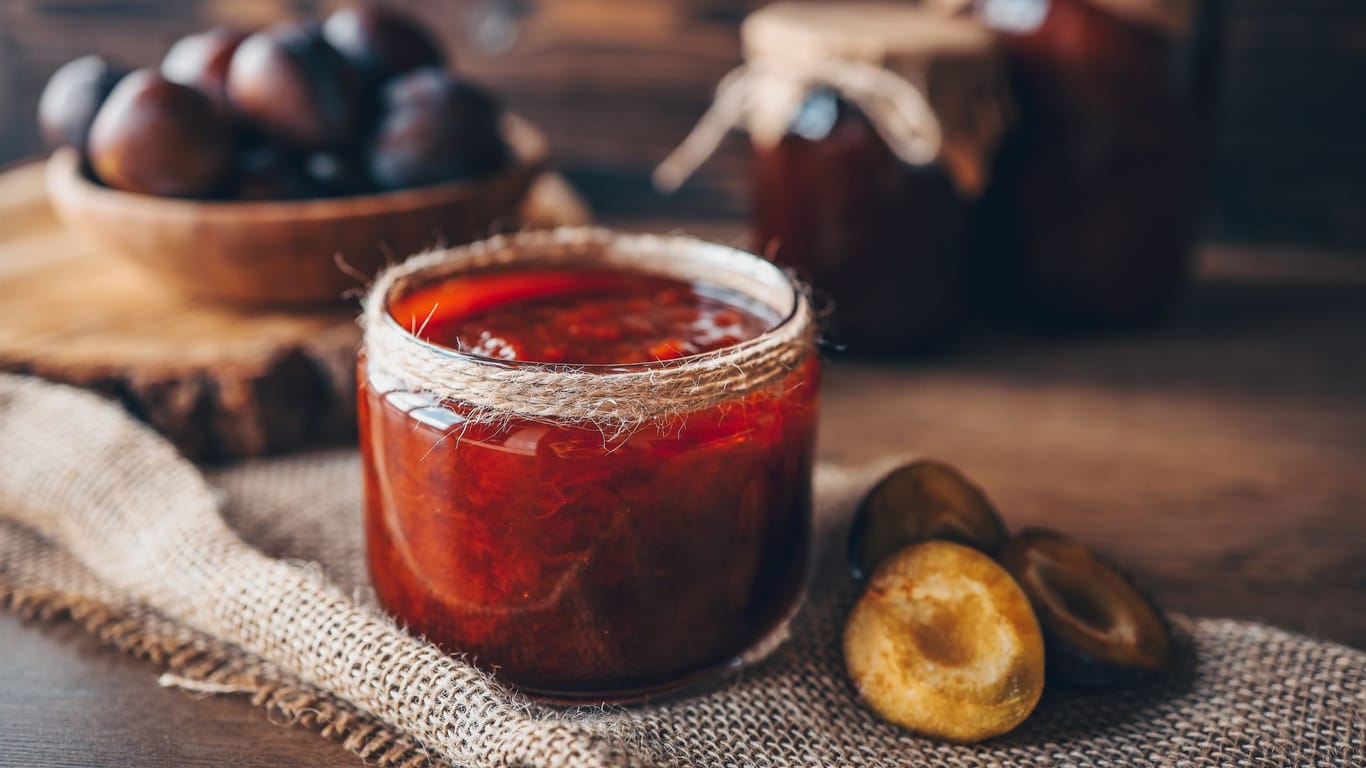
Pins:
x: 930, y: 86
x: 616, y: 399
x: 1173, y: 18
x: 91, y: 504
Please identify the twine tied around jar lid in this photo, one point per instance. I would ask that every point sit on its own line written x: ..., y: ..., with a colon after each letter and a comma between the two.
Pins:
x: 930, y: 86
x: 1170, y: 17
x: 1173, y: 18
x: 615, y: 399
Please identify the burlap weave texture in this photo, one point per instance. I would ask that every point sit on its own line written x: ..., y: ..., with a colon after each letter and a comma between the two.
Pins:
x: 1240, y: 694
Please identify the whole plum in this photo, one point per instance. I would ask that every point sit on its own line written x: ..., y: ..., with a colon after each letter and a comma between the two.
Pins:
x: 161, y: 138
x: 382, y: 42
x: 289, y: 83
x: 435, y: 128
x: 336, y: 174
x: 72, y: 97
x: 201, y: 61
x: 270, y: 172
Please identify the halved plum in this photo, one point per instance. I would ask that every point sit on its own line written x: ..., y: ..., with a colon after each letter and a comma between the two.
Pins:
x: 944, y: 642
x: 1100, y: 630
x: 916, y: 502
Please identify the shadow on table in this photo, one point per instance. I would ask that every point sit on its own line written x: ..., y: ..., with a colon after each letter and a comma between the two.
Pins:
x: 1065, y: 715
x: 1228, y: 307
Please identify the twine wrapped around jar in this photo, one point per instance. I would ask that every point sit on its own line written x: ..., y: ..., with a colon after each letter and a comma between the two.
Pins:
x: 616, y: 399
x: 930, y: 86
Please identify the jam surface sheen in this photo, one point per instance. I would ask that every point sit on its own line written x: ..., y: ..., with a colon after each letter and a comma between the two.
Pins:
x: 576, y: 565
x: 585, y: 317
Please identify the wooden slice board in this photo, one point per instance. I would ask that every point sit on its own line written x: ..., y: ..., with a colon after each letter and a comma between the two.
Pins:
x: 220, y: 382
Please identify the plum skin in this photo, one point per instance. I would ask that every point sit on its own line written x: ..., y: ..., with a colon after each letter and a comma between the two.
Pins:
x: 289, y: 83
x: 72, y: 98
x: 161, y: 138
x: 436, y: 128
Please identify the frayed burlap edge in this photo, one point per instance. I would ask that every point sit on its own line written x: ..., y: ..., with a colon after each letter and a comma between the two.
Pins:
x: 148, y: 529
x: 188, y: 659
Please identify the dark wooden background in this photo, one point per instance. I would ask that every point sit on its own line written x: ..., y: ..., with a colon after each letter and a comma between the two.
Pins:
x: 616, y: 82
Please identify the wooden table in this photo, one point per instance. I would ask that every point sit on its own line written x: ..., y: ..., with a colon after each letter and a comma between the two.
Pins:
x: 1223, y: 458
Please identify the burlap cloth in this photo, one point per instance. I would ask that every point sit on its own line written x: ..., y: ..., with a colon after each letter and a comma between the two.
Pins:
x: 1239, y: 694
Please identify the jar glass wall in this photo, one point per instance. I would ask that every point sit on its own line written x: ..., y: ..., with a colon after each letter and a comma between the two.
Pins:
x: 885, y: 241
x: 873, y: 126
x: 583, y: 563
x: 1096, y: 205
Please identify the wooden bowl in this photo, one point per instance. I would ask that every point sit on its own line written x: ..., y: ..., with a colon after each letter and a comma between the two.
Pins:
x: 288, y: 252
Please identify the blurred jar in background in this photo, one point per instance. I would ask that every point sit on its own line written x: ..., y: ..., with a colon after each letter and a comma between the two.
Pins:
x: 1095, y: 207
x: 873, y: 126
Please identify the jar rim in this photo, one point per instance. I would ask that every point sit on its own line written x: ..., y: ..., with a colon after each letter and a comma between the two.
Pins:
x: 621, y: 398
x: 522, y: 255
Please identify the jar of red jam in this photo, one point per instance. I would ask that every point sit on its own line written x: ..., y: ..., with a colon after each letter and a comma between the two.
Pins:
x: 1098, y: 187
x: 588, y: 456
x: 873, y: 125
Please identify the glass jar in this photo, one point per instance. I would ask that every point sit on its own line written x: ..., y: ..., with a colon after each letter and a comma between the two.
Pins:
x: 1098, y: 187
x: 873, y: 125
x: 600, y: 531
x: 884, y: 240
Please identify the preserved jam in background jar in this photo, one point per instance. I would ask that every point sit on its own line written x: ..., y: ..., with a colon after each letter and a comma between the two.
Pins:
x: 1095, y: 206
x: 575, y: 562
x: 886, y: 239
x: 873, y: 126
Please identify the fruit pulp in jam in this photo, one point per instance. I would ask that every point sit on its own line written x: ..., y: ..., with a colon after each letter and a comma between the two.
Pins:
x: 574, y: 565
x: 584, y: 317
